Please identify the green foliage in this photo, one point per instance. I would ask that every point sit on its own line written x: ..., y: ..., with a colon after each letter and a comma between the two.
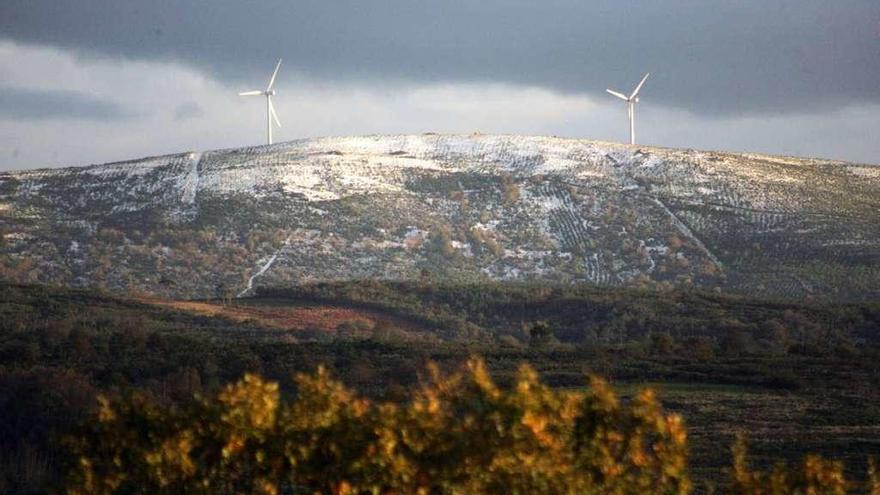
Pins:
x: 456, y: 434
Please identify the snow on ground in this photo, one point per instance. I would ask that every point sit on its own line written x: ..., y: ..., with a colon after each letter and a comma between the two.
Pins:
x: 137, y: 168
x: 868, y: 172
x: 266, y: 266
x: 571, y: 194
x: 331, y: 168
x: 191, y: 182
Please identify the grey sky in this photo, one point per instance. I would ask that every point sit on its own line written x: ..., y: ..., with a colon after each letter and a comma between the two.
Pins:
x: 28, y: 104
x: 714, y: 62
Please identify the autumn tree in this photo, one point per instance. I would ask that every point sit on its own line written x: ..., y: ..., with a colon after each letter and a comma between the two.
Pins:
x: 458, y: 433
x: 454, y: 434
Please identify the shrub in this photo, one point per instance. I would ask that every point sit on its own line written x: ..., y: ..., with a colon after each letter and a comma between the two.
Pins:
x: 510, y: 190
x: 661, y: 343
x: 357, y: 328
x: 540, y: 334
x: 455, y: 434
x: 814, y: 476
x: 441, y: 241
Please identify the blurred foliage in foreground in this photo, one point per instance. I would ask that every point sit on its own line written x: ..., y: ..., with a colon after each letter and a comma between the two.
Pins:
x: 456, y: 434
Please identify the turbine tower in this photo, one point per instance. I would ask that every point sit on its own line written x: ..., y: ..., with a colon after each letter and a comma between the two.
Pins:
x: 631, y: 101
x: 270, y: 110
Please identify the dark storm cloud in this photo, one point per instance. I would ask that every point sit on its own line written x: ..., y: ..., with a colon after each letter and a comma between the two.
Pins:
x: 708, y: 56
x: 32, y: 105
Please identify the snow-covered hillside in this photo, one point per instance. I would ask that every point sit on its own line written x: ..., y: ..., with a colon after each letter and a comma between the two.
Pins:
x: 457, y: 208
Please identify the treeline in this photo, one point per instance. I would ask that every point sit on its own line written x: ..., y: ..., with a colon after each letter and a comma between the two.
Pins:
x: 583, y: 314
x: 453, y: 434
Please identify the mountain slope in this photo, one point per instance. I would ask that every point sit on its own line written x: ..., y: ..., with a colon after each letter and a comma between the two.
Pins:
x: 448, y: 207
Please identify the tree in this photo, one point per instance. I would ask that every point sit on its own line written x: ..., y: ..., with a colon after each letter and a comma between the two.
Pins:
x: 700, y: 347
x: 458, y: 433
x: 540, y: 333
x: 661, y: 343
x: 441, y: 241
x: 736, y: 343
x: 224, y: 292
x: 814, y: 476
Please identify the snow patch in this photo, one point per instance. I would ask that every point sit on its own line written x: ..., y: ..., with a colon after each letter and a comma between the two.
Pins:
x: 865, y: 171
x: 191, y: 182
x: 263, y: 269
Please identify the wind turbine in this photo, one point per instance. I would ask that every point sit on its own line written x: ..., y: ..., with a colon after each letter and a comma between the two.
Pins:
x: 631, y: 101
x: 270, y: 110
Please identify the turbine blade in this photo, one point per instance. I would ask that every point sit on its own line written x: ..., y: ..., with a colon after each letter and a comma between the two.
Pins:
x: 639, y: 87
x: 615, y: 93
x: 272, y: 112
x: 274, y: 74
x: 251, y: 93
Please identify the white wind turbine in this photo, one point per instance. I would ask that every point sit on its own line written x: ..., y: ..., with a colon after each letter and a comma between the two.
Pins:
x: 631, y: 101
x: 270, y: 110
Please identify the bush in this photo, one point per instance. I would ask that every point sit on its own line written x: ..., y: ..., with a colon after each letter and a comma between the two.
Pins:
x: 661, y: 344
x: 814, y: 476
x: 540, y: 334
x: 510, y: 190
x: 441, y: 241
x: 357, y: 328
x: 456, y: 434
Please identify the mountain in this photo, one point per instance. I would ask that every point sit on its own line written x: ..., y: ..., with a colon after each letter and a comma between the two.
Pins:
x: 448, y: 208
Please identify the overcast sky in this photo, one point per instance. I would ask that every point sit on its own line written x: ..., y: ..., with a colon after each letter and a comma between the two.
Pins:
x: 94, y: 81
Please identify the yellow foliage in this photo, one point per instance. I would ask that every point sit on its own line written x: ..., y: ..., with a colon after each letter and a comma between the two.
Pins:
x: 873, y: 487
x: 458, y: 434
x: 815, y: 476
x: 250, y: 403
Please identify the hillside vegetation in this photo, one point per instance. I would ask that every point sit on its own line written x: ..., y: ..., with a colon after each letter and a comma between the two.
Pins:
x: 460, y: 209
